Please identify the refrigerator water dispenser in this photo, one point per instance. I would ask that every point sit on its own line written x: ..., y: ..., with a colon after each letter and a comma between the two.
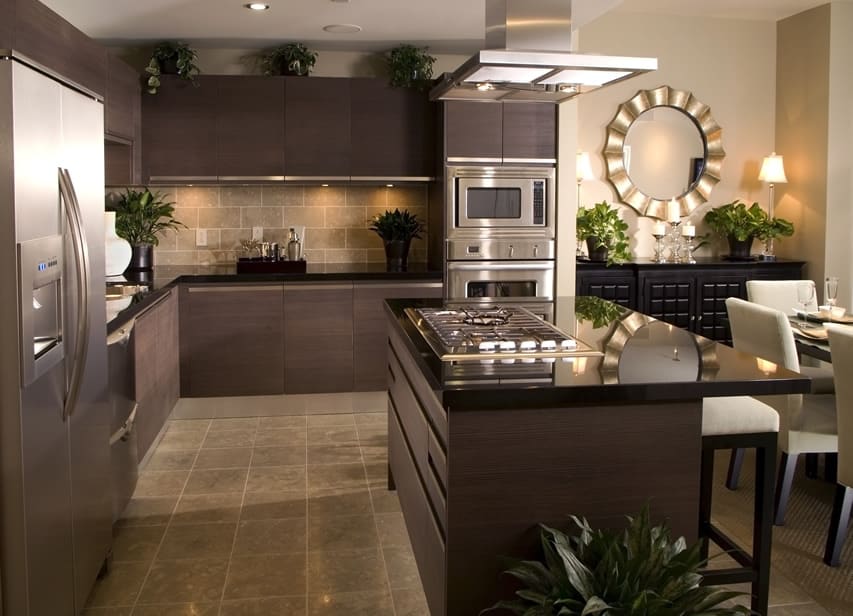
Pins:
x: 40, y: 276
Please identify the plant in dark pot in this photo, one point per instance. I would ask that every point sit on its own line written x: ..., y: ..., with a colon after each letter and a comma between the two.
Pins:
x: 170, y: 58
x: 410, y: 67
x: 740, y: 225
x: 288, y: 59
x: 604, y: 232
x: 397, y: 230
x: 140, y: 217
x: 638, y: 571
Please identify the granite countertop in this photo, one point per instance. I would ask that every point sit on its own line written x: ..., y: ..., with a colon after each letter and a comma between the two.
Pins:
x: 640, y: 359
x: 156, y: 282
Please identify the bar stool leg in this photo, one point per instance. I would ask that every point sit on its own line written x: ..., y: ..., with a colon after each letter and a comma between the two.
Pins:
x: 841, y: 510
x: 706, y: 490
x: 762, y: 528
x: 787, y: 466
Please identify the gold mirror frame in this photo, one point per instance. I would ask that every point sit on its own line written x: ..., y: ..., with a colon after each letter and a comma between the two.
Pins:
x: 617, y: 130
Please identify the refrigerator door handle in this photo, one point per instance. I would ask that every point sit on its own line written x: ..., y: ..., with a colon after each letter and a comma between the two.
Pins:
x: 81, y: 263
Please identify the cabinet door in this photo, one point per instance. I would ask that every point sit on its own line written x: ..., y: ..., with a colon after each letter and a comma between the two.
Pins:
x: 317, y: 125
x: 318, y: 338
x: 178, y: 129
x: 473, y: 129
x: 232, y: 340
x: 168, y: 359
x: 529, y: 131
x: 250, y: 126
x: 669, y: 299
x: 7, y: 23
x: 712, y: 290
x: 370, y: 328
x: 617, y: 286
x: 145, y: 381
x: 393, y: 131
x: 122, y: 101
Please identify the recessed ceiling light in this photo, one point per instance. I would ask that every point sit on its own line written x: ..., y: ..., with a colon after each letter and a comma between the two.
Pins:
x: 257, y: 6
x: 342, y: 28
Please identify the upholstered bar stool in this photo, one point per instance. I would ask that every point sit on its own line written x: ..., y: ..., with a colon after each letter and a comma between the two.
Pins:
x: 740, y: 422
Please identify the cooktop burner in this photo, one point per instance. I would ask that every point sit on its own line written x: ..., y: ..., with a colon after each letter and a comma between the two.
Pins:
x: 505, y: 333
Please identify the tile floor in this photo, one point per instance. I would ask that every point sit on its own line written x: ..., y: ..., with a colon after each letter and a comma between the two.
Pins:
x: 277, y: 505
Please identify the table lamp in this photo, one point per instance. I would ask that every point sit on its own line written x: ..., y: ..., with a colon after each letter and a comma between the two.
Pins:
x: 772, y: 172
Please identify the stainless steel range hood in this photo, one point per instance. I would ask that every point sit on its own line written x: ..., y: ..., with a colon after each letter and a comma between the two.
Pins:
x: 528, y: 58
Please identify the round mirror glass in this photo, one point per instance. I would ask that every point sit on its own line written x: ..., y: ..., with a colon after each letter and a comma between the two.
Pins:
x: 664, y: 152
x: 659, y: 353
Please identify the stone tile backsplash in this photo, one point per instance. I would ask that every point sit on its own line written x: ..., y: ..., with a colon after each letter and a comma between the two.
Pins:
x: 336, y: 220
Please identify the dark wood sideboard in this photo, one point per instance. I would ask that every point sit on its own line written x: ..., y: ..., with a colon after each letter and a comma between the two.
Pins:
x: 692, y: 296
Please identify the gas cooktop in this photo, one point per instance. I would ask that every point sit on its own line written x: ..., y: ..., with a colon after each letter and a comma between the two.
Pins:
x: 487, y: 334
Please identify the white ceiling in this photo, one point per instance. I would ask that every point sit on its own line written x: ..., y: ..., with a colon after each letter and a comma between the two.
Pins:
x: 446, y: 26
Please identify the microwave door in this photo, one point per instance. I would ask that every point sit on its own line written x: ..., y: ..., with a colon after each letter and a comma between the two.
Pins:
x: 494, y: 202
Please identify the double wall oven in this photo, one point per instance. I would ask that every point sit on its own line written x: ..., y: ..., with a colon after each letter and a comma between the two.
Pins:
x: 500, y: 236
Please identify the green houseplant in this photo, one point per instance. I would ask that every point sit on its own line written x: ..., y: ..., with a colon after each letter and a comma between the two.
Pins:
x: 397, y: 229
x: 288, y: 59
x: 635, y: 572
x: 140, y: 216
x: 740, y: 225
x: 170, y: 58
x: 410, y: 67
x: 604, y: 232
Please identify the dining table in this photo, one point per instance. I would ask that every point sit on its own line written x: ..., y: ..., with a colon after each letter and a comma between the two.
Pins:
x: 810, y: 334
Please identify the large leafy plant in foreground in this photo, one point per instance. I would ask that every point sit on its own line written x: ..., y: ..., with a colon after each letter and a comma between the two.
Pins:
x: 634, y: 572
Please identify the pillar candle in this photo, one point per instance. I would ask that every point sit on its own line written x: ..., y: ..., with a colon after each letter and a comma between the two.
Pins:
x: 659, y: 228
x: 673, y: 211
x: 688, y: 230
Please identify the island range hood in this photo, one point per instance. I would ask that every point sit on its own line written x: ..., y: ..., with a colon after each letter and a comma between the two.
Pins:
x: 528, y: 58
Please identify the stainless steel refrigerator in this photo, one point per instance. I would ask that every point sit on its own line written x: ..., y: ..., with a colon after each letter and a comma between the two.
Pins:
x: 55, y: 514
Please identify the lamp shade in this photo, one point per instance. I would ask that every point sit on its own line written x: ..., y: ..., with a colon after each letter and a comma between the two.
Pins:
x: 773, y: 170
x: 584, y: 167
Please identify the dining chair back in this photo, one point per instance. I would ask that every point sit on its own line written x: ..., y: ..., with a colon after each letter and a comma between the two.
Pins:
x: 779, y: 294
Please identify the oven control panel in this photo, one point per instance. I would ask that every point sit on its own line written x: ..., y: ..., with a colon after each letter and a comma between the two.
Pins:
x: 539, y: 202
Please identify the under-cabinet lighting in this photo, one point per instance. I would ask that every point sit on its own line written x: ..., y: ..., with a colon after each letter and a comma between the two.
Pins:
x: 323, y: 184
x: 390, y: 185
x: 485, y: 86
x: 257, y: 6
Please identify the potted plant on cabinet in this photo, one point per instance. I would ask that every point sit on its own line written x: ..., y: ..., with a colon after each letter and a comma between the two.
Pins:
x: 410, y: 67
x: 140, y: 216
x: 635, y: 571
x: 170, y: 58
x: 604, y: 232
x: 740, y: 225
x: 397, y: 229
x: 288, y: 59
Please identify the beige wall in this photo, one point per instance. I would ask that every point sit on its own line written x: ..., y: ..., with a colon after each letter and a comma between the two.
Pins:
x: 727, y: 64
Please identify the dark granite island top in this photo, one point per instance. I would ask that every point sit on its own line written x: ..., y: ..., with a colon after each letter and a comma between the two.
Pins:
x: 480, y: 455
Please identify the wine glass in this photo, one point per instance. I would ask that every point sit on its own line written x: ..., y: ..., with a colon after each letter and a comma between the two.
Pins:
x: 805, y: 295
x: 830, y: 290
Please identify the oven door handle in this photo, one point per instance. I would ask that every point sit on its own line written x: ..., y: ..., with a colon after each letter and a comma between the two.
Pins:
x: 506, y: 266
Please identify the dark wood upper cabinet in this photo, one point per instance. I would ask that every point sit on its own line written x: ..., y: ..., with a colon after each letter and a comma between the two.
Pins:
x: 179, y: 129
x: 488, y: 130
x: 250, y: 126
x: 7, y: 22
x: 317, y: 125
x: 122, y: 100
x: 393, y: 130
x: 48, y: 39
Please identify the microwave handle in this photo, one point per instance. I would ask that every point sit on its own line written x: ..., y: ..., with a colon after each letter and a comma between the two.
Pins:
x: 469, y: 266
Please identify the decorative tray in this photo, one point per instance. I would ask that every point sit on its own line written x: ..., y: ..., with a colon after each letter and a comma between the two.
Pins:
x: 810, y: 331
x: 259, y: 266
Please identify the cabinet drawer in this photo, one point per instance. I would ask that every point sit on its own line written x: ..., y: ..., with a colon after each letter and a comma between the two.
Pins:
x: 409, y: 411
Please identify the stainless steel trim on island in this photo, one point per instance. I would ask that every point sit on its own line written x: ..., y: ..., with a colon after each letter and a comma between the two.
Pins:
x: 479, y: 463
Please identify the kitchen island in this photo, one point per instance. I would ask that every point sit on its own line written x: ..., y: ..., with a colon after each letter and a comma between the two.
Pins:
x: 480, y: 452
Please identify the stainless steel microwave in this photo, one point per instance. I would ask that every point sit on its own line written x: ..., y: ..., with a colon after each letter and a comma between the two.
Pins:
x: 501, y: 198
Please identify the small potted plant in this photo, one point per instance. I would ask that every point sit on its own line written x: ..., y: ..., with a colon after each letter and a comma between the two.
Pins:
x: 604, y: 232
x: 288, y: 59
x: 396, y: 230
x: 635, y: 571
x: 740, y: 225
x: 410, y: 67
x: 140, y: 216
x: 170, y: 58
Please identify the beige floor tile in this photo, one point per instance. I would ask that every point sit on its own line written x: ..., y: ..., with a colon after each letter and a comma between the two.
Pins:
x: 231, y: 457
x: 291, y: 421
x: 218, y: 481
x: 181, y: 439
x: 235, y: 423
x: 384, y: 500
x: 177, y: 609
x: 328, y: 403
x: 171, y: 460
x: 276, y: 478
x: 370, y: 402
x: 372, y: 420
x: 184, y: 581
x: 229, y: 438
x: 351, y: 604
x: 119, y: 587
x: 279, y: 456
x: 371, y: 454
x: 339, y: 502
x: 107, y: 611
x: 274, y: 606
x: 334, y: 454
x: 274, y: 505
x: 282, y: 437
x: 351, y: 532
x: 345, y: 571
x: 189, y: 425
x: 324, y: 477
x: 136, y: 543
x: 402, y: 569
x: 377, y: 473
x: 270, y: 575
x: 197, y: 541
x: 802, y: 609
x: 372, y: 437
x: 148, y: 511
x: 202, y: 508
x: 410, y: 602
x: 160, y: 483
x: 392, y: 529
x: 273, y: 536
x: 340, y: 420
x: 332, y: 435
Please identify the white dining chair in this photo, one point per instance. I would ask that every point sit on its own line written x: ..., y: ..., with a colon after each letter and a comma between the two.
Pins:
x: 841, y: 347
x: 806, y: 421
x: 782, y: 295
